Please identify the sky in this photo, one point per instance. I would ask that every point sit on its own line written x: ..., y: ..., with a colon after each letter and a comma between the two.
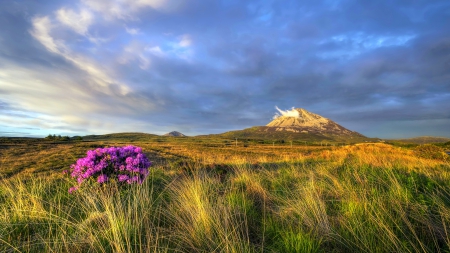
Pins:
x: 78, y: 67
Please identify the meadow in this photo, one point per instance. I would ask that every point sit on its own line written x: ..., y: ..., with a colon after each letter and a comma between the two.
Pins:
x: 216, y: 195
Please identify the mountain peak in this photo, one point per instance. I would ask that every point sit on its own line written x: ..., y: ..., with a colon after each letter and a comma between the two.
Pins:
x: 297, y: 117
x: 175, y: 134
x: 299, y: 120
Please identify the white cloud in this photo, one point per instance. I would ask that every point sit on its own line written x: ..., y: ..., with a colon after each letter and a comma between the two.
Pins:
x: 141, y: 53
x: 59, y: 103
x: 135, y: 51
x: 369, y: 41
x: 126, y: 9
x: 357, y: 43
x: 79, y: 22
x: 286, y: 113
x: 42, y: 27
x: 132, y: 31
x: 179, y: 48
x: 185, y: 40
x: 46, y: 92
x: 155, y: 51
x: 161, y: 5
x: 109, y: 9
x: 42, y: 99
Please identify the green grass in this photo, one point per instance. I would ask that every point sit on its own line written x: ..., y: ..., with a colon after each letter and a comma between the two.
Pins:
x: 198, y: 198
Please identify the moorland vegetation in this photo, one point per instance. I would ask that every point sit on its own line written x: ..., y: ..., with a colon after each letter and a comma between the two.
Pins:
x: 219, y: 195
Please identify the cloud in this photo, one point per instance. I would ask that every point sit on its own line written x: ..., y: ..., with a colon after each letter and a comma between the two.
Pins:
x: 137, y: 52
x: 42, y: 28
x: 127, y: 9
x: 161, y: 5
x: 106, y: 66
x: 156, y: 50
x: 132, y: 31
x: 354, y: 44
x: 288, y: 113
x: 79, y: 22
x: 185, y: 41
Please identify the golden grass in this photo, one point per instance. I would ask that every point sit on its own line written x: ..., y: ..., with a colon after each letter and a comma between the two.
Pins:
x: 359, y: 198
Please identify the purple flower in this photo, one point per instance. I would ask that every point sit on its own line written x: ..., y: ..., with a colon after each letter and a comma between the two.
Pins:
x: 102, y: 179
x: 134, y: 179
x: 123, y: 178
x: 125, y: 164
x: 72, y: 189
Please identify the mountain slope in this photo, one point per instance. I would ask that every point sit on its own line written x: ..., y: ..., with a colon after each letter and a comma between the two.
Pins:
x: 299, y: 124
x: 302, y: 121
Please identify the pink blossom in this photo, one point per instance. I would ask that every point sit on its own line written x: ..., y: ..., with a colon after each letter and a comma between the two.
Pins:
x: 102, y: 179
x: 125, y: 164
x: 72, y: 189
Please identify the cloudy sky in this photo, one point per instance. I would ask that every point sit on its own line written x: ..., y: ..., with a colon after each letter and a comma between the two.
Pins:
x: 78, y: 67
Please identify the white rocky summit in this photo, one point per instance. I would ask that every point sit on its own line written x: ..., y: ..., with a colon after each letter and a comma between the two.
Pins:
x: 300, y: 120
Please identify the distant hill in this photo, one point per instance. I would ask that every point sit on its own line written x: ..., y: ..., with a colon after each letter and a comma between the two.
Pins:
x: 175, y: 134
x: 425, y: 140
x: 300, y: 124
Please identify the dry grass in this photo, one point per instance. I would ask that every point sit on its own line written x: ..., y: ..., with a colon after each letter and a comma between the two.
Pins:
x: 204, y: 198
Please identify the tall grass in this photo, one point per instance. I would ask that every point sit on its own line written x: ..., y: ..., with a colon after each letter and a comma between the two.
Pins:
x: 39, y: 215
x: 207, y: 216
x: 365, y: 198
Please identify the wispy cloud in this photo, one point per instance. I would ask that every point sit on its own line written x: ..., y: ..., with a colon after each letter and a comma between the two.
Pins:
x: 185, y: 40
x: 40, y: 31
x: 128, y: 9
x: 286, y: 113
x: 132, y: 31
x: 42, y: 28
x: 79, y: 22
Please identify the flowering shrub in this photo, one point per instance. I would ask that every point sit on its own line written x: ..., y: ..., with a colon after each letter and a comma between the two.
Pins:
x: 125, y: 164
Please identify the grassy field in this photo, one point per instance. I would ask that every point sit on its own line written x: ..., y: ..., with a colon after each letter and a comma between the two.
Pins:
x: 213, y: 195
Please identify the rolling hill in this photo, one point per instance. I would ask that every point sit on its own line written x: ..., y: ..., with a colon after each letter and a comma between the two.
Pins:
x: 175, y: 134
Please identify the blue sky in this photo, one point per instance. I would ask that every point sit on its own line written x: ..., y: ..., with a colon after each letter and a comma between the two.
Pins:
x: 78, y: 67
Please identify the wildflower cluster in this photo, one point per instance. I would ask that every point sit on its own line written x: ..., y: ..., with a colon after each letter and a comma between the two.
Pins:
x: 125, y: 164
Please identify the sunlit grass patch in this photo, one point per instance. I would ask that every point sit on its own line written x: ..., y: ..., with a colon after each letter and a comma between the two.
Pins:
x: 364, y: 198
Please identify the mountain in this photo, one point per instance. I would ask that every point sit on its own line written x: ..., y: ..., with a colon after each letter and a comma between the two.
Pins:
x: 308, y: 122
x: 299, y: 124
x: 175, y: 134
